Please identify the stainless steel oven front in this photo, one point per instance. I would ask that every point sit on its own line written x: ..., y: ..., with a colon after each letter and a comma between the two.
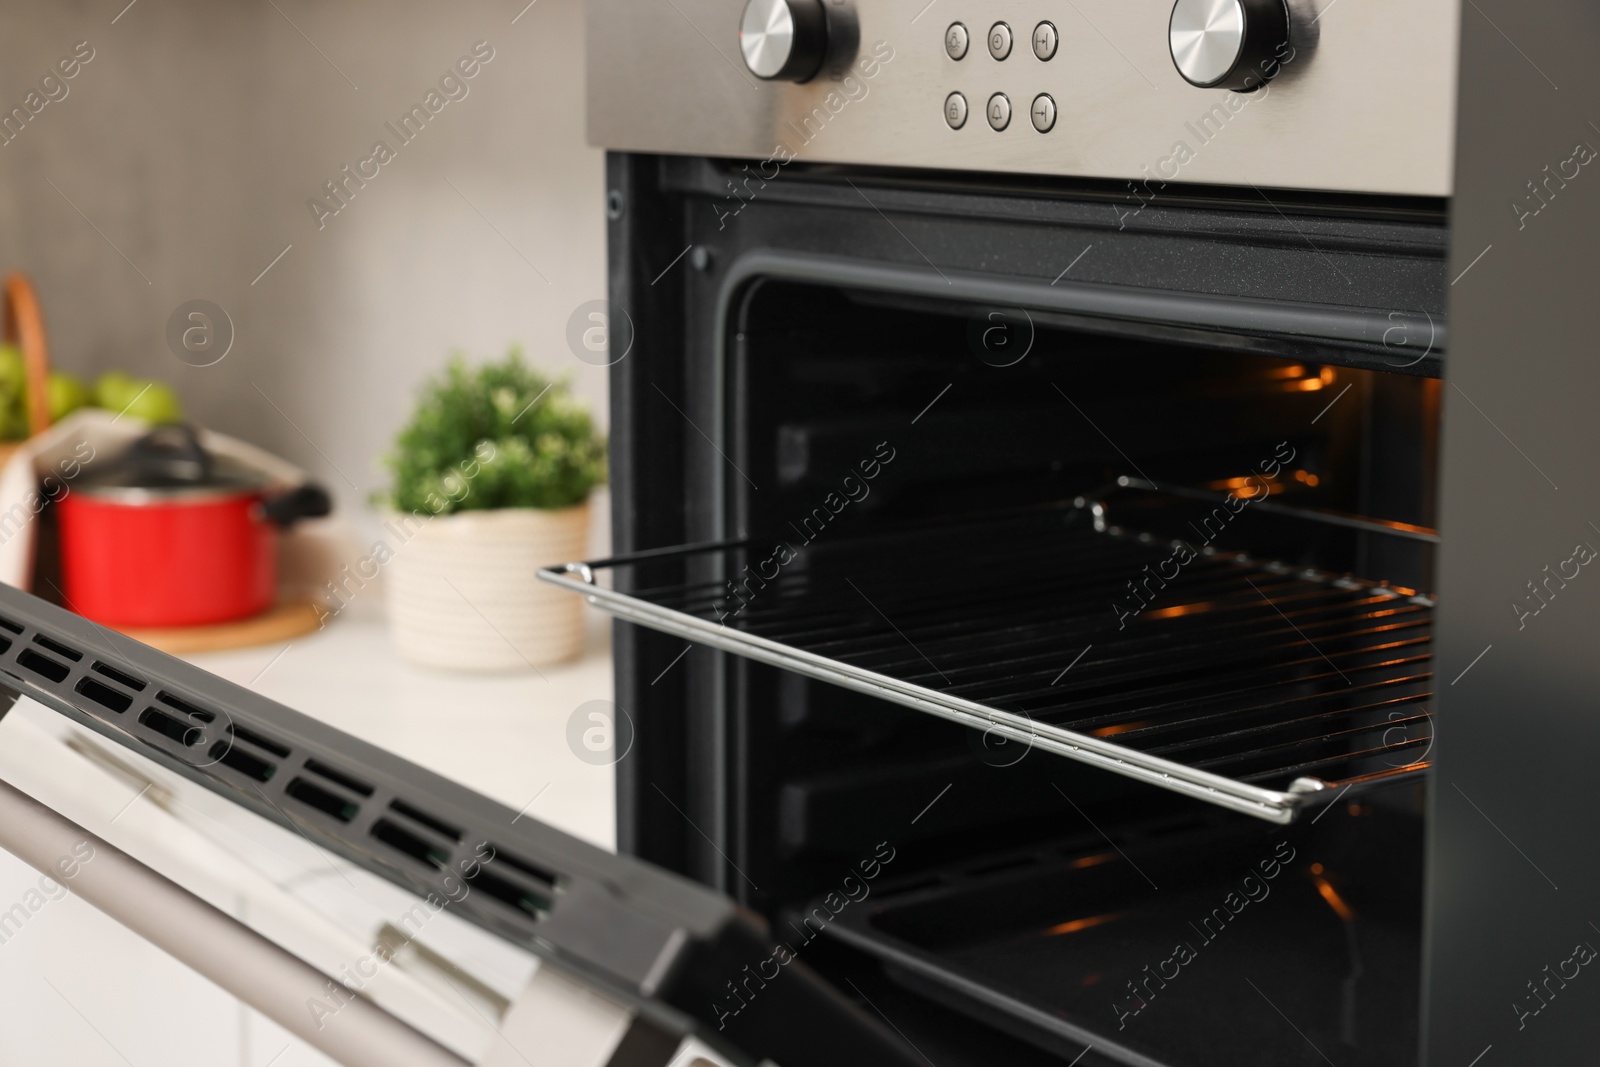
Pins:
x: 1357, y: 101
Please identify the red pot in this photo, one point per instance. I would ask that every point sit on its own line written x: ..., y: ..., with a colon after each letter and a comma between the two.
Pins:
x: 171, y: 535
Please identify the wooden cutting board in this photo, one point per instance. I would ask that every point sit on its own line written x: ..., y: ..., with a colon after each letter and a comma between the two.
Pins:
x: 290, y: 619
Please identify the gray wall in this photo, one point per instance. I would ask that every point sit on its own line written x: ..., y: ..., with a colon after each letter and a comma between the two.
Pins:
x: 193, y: 140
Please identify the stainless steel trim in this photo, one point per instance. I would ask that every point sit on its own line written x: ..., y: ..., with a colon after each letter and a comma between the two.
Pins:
x: 1366, y: 103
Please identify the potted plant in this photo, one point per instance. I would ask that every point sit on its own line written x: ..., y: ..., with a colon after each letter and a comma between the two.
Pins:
x: 492, y: 478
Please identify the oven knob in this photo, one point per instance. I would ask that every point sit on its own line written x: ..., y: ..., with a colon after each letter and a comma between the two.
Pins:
x: 783, y: 39
x: 1228, y: 44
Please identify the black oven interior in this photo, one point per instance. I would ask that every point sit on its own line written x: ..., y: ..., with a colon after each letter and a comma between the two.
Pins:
x: 1074, y: 897
x: 1036, y: 907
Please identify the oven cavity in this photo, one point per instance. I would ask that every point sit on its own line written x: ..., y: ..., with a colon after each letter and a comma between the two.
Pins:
x: 1152, y: 559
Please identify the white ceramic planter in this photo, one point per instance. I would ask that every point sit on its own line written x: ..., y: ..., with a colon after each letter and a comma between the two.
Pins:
x: 464, y: 594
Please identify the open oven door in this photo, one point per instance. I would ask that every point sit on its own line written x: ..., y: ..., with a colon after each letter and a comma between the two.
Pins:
x: 673, y: 958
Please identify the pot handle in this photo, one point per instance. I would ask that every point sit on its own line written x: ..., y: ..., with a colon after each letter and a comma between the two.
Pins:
x: 308, y: 501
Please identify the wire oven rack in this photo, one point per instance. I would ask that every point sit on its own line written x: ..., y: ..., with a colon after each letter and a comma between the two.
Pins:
x: 1253, y: 685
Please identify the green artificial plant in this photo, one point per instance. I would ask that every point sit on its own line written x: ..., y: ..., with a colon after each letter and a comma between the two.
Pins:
x: 500, y: 435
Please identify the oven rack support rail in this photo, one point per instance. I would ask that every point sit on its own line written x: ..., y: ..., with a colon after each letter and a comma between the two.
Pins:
x: 681, y: 610
x: 654, y: 941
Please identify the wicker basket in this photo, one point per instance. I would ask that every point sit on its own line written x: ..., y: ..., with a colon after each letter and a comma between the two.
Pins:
x: 24, y: 327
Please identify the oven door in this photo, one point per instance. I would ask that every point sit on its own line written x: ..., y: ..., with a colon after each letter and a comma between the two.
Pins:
x: 677, y: 955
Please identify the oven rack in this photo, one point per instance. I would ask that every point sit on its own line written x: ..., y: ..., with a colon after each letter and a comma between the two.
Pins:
x: 1259, y: 687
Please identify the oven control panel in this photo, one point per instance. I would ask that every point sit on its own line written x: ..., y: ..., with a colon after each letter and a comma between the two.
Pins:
x: 999, y: 38
x: 1238, y: 45
x: 1271, y: 93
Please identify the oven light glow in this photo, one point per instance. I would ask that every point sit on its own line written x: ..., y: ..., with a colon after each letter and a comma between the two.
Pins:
x: 1074, y: 925
x: 1245, y: 487
x: 1117, y: 728
x: 1177, y: 610
x: 1331, y: 895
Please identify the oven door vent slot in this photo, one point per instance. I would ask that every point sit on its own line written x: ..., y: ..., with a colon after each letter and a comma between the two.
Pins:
x: 1257, y: 686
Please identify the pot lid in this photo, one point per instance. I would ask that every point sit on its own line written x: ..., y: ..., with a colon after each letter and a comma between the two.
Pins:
x: 171, y: 461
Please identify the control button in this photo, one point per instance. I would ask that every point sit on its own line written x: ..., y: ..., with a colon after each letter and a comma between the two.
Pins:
x: 1228, y: 44
x: 955, y: 41
x: 1045, y: 40
x: 999, y: 111
x: 955, y: 110
x: 783, y: 40
x: 1000, y: 40
x: 1043, y: 112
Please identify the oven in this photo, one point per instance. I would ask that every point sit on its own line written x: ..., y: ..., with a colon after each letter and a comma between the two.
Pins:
x: 1102, y: 499
x: 1033, y: 461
